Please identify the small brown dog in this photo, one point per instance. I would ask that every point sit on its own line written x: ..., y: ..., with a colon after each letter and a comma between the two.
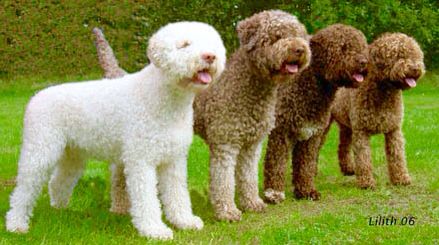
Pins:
x: 339, y: 58
x: 396, y: 63
x: 234, y: 114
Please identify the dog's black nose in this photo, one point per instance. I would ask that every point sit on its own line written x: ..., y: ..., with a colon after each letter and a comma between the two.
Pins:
x: 208, y: 57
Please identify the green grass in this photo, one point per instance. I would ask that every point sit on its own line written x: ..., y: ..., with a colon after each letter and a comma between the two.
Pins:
x: 341, y: 216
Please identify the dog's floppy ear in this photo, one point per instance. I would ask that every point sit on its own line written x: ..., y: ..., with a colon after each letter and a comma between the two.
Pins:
x: 155, y: 48
x: 247, y: 32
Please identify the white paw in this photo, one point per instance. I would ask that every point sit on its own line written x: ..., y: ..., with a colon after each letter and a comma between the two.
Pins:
x: 189, y: 223
x: 273, y: 196
x: 161, y: 232
x: 16, y: 224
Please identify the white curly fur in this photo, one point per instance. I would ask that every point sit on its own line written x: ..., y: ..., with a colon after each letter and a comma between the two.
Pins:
x: 142, y: 121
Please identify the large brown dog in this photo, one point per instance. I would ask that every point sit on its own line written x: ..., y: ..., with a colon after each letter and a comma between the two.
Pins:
x: 376, y: 108
x: 339, y: 58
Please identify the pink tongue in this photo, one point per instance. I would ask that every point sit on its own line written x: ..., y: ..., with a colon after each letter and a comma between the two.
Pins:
x: 358, y: 77
x: 292, y: 68
x: 204, y: 77
x: 411, y: 82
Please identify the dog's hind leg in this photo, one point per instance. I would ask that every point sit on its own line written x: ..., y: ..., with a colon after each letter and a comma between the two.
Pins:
x: 344, y: 151
x: 41, y: 150
x: 174, y: 194
x: 396, y: 162
x: 64, y: 178
x: 247, y: 178
x: 120, y: 202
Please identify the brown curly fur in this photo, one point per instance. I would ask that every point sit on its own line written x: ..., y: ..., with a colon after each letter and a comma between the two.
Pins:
x: 234, y: 114
x: 107, y: 60
x: 376, y: 108
x: 303, y: 109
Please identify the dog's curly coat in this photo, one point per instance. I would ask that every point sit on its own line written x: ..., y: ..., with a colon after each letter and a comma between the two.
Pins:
x: 237, y: 112
x: 234, y: 114
x: 142, y: 121
x: 339, y: 58
x: 396, y: 62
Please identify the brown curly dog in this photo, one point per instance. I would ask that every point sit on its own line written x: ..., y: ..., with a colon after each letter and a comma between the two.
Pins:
x: 234, y: 114
x: 339, y: 58
x: 396, y: 63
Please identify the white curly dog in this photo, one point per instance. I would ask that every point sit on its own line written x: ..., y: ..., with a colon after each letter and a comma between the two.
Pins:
x: 142, y: 121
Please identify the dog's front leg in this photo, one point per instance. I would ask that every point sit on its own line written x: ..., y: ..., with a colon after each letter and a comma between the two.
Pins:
x: 247, y: 178
x: 276, y: 157
x: 363, y: 162
x: 396, y: 162
x: 145, y: 209
x: 304, y: 160
x: 344, y: 151
x: 222, y: 182
x: 174, y: 194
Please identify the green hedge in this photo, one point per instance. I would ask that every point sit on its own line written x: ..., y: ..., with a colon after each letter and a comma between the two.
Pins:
x: 54, y: 38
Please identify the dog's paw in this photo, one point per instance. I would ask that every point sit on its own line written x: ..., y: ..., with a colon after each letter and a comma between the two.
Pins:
x: 255, y: 205
x: 229, y: 214
x: 189, y: 223
x: 16, y: 224
x: 401, y: 180
x: 161, y: 232
x: 347, y: 170
x: 313, y: 195
x: 119, y: 210
x: 366, y: 183
x: 58, y: 202
x: 273, y: 196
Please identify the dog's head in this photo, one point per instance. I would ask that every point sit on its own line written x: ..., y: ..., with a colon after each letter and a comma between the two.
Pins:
x: 397, y: 59
x: 275, y: 43
x: 190, y: 53
x: 340, y: 55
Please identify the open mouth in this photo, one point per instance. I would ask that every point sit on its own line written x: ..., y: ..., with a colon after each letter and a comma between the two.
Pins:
x: 410, y: 82
x: 202, y: 77
x: 289, y: 67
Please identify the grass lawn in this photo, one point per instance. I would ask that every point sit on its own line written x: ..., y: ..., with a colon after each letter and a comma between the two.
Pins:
x: 341, y: 216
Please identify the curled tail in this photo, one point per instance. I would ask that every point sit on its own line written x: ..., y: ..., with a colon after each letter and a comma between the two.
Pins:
x: 107, y: 60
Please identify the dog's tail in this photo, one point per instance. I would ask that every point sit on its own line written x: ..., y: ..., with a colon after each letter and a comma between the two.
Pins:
x: 107, y: 60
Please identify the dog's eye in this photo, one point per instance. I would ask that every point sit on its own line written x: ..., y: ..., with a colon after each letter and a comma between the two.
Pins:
x: 183, y: 44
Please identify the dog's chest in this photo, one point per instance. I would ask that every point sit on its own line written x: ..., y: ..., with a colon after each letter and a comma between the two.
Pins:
x: 381, y: 117
x: 259, y: 120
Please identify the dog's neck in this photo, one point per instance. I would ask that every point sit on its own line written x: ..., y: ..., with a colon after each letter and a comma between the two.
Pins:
x: 324, y: 86
x: 165, y: 89
x: 381, y: 88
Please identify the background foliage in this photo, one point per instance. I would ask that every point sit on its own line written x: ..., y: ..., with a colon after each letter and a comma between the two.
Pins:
x: 53, y: 38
